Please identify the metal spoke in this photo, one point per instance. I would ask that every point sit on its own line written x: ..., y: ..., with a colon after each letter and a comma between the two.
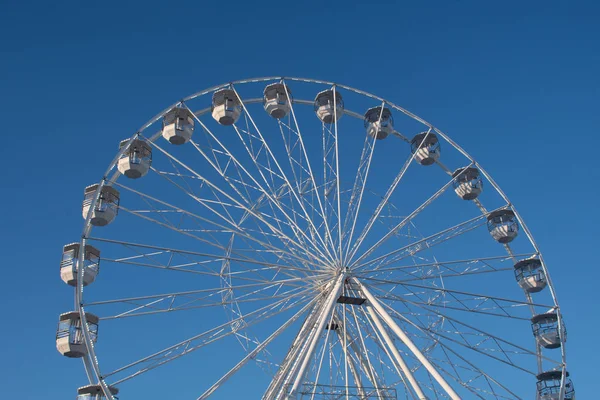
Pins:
x: 383, y: 202
x: 405, y: 221
x: 359, y: 185
x: 242, y: 206
x: 212, y: 335
x: 420, y: 245
x: 254, y: 352
x: 283, y: 175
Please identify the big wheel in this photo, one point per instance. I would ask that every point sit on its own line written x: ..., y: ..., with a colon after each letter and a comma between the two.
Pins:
x: 285, y: 238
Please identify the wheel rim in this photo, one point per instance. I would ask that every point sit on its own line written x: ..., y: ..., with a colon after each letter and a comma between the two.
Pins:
x: 324, y: 243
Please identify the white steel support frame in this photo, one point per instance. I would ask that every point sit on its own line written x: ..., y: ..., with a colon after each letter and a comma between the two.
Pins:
x: 306, y: 346
x: 348, y: 361
x: 363, y: 359
x: 397, y: 357
x: 406, y: 340
x: 285, y: 372
x: 254, y: 352
x: 306, y: 357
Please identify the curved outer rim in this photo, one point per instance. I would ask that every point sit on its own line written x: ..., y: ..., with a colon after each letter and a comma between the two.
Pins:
x: 90, y: 361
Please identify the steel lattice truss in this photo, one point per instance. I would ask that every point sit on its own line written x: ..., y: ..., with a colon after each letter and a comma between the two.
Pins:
x: 257, y: 241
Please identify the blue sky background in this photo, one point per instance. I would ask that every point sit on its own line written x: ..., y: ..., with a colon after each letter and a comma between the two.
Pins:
x: 515, y: 83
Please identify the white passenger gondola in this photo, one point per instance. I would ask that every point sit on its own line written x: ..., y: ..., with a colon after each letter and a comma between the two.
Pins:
x: 379, y: 124
x: 277, y: 100
x: 226, y: 107
x: 546, y: 330
x: 503, y: 225
x: 94, y: 392
x: 467, y: 183
x: 69, y: 335
x: 106, y: 208
x: 136, y: 160
x: 178, y: 125
x: 530, y: 275
x: 70, y: 260
x: 328, y: 109
x: 426, y: 148
x: 548, y: 386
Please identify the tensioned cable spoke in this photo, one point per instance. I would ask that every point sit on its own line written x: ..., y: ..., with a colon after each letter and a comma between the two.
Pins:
x: 208, y: 256
x: 479, y: 331
x: 360, y: 183
x: 251, y: 212
x: 210, y: 336
x: 484, y: 305
x: 237, y: 226
x: 466, y: 384
x: 192, y: 303
x: 220, y: 246
x: 468, y: 262
x: 337, y: 175
x: 152, y: 305
x: 355, y: 351
x: 272, y: 198
x: 434, y: 334
x: 242, y: 259
x: 237, y: 275
x: 255, y: 351
x: 137, y: 214
x: 474, y: 295
x: 309, y: 168
x: 407, y: 220
x: 189, y: 292
x: 290, y: 221
x: 425, y: 243
x: 239, y: 166
x: 283, y: 175
x: 384, y: 201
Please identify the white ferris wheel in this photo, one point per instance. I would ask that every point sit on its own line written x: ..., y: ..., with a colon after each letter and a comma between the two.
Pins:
x: 288, y: 238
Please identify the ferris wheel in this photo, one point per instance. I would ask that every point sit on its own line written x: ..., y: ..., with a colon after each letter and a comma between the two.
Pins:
x: 289, y: 238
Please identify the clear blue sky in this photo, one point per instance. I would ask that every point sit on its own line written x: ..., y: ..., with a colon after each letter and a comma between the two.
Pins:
x: 515, y: 83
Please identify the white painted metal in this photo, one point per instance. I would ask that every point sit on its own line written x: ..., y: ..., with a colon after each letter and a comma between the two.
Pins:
x: 253, y: 353
x: 406, y: 340
x: 327, y: 258
x: 332, y: 296
x: 398, y: 358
